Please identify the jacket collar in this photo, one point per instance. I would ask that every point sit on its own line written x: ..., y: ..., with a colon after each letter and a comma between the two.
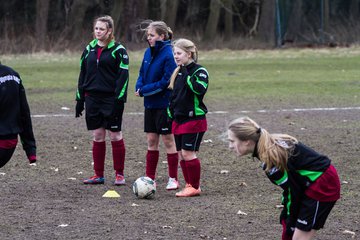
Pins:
x: 94, y: 42
x: 158, y: 46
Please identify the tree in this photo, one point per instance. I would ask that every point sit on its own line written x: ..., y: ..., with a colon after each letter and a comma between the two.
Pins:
x: 266, y: 23
x: 213, y: 20
x: 228, y: 21
x: 42, y: 9
x: 294, y: 21
x: 170, y: 11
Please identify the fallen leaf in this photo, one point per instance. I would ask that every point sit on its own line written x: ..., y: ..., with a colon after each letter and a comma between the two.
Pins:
x: 63, y: 225
x: 243, y: 184
x: 350, y: 232
x: 224, y: 171
x: 241, y: 213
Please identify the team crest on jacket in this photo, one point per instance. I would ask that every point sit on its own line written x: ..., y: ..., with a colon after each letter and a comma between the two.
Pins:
x: 203, y: 75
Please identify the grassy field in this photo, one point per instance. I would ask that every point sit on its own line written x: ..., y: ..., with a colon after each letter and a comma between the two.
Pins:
x: 50, y: 201
x: 286, y: 78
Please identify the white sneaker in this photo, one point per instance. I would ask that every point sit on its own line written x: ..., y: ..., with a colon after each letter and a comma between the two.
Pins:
x: 172, y: 184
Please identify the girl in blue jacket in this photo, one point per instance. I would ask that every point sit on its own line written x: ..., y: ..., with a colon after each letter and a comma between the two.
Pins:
x: 157, y: 66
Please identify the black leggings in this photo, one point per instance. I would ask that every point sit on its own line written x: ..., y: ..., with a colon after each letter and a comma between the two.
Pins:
x: 5, y: 155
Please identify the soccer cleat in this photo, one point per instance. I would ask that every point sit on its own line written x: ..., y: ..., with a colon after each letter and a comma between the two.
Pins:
x: 172, y: 184
x: 94, y: 180
x: 119, y: 180
x: 188, y: 191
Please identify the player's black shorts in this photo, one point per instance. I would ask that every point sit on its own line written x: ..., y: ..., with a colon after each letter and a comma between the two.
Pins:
x: 98, y: 113
x: 156, y: 121
x: 313, y: 214
x: 188, y: 141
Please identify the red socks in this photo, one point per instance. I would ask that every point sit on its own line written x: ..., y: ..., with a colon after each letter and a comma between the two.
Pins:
x: 118, y: 151
x: 184, y: 170
x: 193, y: 170
x: 98, y: 151
x: 152, y: 158
x: 173, y: 164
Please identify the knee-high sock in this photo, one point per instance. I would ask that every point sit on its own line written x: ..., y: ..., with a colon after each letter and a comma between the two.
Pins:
x: 184, y: 170
x: 152, y: 158
x: 99, y: 149
x: 193, y: 168
x: 173, y: 164
x: 118, y: 151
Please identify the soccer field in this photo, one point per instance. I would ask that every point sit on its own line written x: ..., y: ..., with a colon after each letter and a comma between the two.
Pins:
x: 312, y: 94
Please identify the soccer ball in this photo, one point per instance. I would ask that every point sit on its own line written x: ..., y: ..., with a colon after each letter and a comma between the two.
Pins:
x: 144, y: 187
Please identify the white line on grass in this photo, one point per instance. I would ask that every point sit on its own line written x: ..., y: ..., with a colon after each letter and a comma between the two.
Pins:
x: 225, y: 112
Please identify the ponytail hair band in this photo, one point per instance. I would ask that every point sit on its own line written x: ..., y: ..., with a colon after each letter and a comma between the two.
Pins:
x: 258, y: 130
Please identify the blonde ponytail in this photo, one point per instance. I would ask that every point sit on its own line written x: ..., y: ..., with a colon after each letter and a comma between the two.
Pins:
x: 173, y: 77
x: 272, y: 149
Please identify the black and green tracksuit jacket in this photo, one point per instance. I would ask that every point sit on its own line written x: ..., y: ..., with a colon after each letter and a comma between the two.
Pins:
x: 305, y: 166
x: 107, y: 76
x: 186, y: 100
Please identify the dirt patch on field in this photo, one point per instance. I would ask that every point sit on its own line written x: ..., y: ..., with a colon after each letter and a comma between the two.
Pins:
x: 49, y: 201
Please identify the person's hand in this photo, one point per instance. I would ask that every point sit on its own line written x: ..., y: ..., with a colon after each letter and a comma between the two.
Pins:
x: 79, y: 108
x: 137, y: 93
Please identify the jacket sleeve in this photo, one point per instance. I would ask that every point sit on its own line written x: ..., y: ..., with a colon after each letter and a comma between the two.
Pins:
x: 139, y: 82
x: 122, y: 79
x: 163, y: 83
x: 27, y: 135
x: 80, y: 96
x: 198, y: 82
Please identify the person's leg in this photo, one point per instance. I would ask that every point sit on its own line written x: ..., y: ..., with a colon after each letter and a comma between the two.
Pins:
x: 172, y: 157
x: 5, y: 155
x: 152, y: 155
x: 118, y: 152
x: 98, y: 150
x: 7, y: 148
x: 192, y: 166
x: 303, y: 235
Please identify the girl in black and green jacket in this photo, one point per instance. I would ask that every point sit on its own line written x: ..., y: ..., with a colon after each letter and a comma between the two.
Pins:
x: 102, y: 89
x: 189, y: 83
x: 310, y: 183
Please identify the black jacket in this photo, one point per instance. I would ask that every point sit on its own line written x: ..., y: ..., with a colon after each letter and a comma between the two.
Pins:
x: 14, y: 110
x: 107, y: 77
x: 305, y: 166
x: 186, y: 101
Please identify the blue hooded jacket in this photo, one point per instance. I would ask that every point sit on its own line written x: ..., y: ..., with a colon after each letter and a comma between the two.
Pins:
x: 154, y: 75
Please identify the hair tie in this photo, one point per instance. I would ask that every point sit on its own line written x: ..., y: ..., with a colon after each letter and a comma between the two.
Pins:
x: 258, y: 130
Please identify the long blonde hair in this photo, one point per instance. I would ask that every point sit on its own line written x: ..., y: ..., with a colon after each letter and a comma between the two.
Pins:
x: 109, y: 24
x: 189, y: 47
x: 273, y: 149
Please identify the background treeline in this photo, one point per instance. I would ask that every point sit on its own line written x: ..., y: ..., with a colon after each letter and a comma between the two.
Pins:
x: 59, y: 25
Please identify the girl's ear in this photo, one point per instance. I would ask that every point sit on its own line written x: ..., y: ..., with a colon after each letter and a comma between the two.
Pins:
x: 162, y: 36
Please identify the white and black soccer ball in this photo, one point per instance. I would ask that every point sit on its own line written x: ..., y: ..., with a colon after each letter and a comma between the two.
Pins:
x: 144, y: 187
